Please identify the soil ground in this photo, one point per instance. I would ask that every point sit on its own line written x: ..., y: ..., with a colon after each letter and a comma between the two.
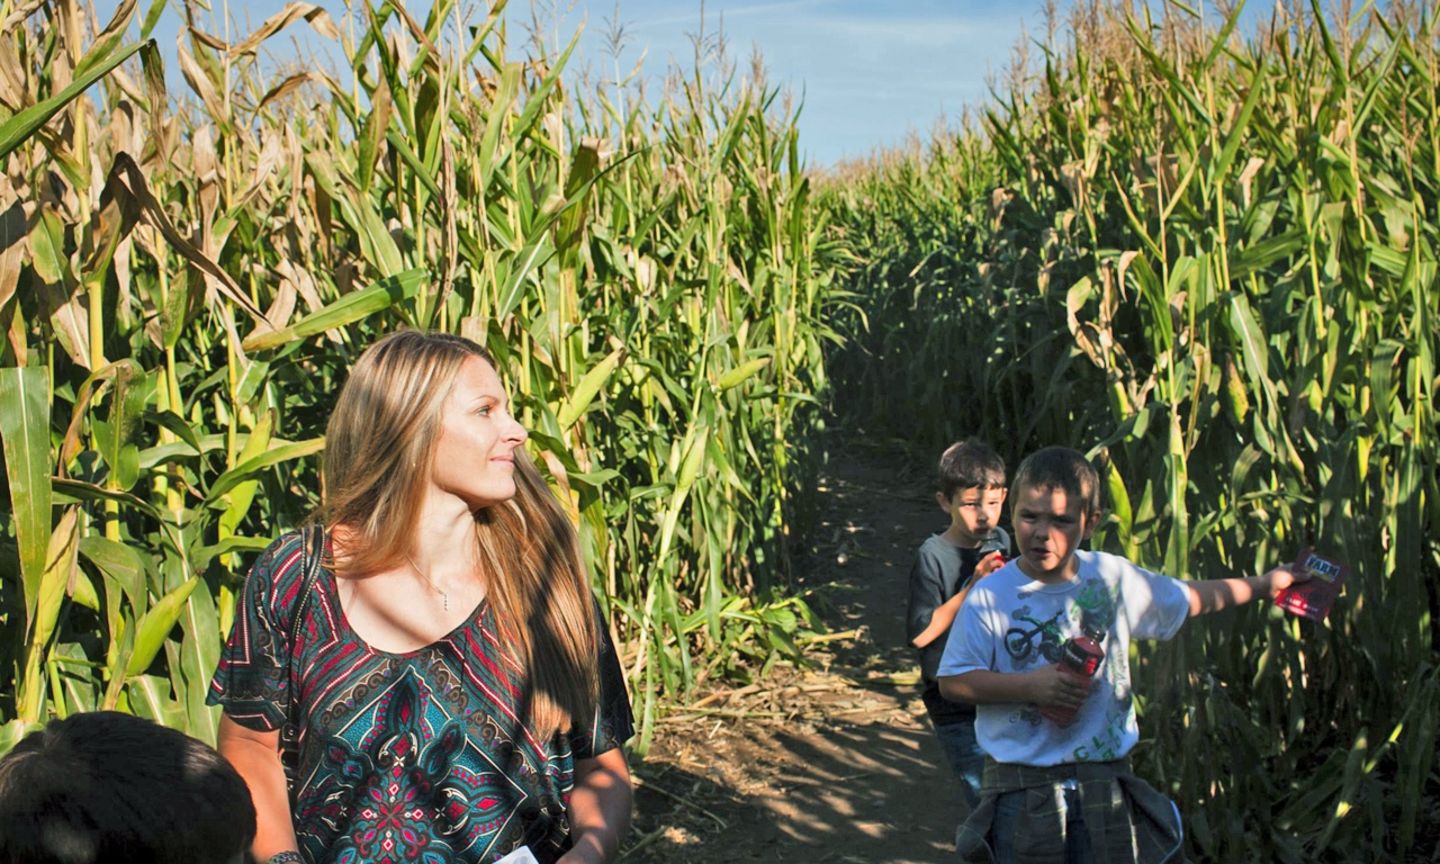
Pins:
x: 835, y: 763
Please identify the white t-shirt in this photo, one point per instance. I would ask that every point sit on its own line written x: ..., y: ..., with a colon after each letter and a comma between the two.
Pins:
x: 1011, y: 623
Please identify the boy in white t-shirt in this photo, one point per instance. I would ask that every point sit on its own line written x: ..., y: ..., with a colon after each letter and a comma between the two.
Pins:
x: 1051, y: 789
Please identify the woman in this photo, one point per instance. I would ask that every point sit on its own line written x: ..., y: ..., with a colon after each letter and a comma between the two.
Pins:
x: 448, y: 691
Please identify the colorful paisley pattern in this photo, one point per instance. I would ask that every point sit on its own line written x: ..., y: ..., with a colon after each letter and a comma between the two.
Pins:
x: 416, y: 758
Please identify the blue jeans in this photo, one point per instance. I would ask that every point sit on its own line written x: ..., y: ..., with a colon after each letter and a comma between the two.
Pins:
x: 966, y: 758
x: 1008, y: 807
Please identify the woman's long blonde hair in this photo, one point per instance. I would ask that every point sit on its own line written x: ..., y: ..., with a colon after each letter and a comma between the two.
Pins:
x: 379, y: 446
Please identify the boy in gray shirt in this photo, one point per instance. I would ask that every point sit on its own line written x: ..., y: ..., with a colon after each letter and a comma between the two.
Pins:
x: 971, y: 491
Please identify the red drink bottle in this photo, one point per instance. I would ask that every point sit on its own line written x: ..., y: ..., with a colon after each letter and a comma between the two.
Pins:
x: 1080, y: 657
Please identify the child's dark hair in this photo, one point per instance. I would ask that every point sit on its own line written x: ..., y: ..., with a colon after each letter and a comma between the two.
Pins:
x: 970, y: 464
x: 1060, y: 468
x: 106, y: 786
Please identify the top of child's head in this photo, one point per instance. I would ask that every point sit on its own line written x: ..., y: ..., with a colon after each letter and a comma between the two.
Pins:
x: 1060, y: 468
x: 105, y: 786
x: 970, y: 464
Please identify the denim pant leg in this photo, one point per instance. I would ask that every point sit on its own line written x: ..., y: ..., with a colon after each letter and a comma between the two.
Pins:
x: 967, y: 760
x: 1009, y: 806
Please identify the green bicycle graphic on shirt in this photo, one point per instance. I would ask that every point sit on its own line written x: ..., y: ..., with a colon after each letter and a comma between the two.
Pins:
x: 1019, y: 640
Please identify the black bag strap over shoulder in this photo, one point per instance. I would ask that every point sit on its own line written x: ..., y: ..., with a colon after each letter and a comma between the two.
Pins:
x: 313, y: 537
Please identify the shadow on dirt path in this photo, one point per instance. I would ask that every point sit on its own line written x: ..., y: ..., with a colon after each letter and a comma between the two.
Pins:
x: 839, y: 763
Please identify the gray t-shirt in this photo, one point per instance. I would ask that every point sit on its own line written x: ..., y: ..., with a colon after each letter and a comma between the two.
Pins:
x: 939, y: 572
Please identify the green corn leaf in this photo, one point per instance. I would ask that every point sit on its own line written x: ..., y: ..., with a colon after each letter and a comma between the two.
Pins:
x: 570, y: 225
x: 539, y: 97
x: 742, y: 373
x: 12, y: 731
x: 119, y: 563
x: 591, y: 383
x: 521, y: 268
x: 353, y: 307
x: 199, y: 656
x: 202, y: 556
x: 250, y: 467
x: 1253, y: 346
x: 148, y: 696
x: 152, y: 17
x: 25, y: 432
x: 1219, y: 172
x: 15, y: 130
x: 82, y: 590
x: 238, y: 499
x: 45, y: 614
x: 47, y: 250
x: 496, y: 121
x: 407, y: 153
x: 67, y: 490
x: 1223, y: 36
x: 1120, y: 507
x: 1332, y: 51
x: 155, y: 626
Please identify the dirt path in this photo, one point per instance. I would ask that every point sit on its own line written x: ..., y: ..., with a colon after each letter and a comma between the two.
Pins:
x: 831, y: 764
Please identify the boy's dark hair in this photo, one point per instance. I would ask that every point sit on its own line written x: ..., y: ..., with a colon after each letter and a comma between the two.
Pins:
x: 105, y: 786
x: 1060, y: 468
x: 970, y: 464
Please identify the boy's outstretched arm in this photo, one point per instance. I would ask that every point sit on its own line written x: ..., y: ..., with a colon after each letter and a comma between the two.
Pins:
x: 1212, y: 595
x: 1045, y: 686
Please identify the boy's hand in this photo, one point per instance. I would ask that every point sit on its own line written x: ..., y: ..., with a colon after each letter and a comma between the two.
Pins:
x: 989, y: 564
x: 1051, y: 686
x: 1283, y: 577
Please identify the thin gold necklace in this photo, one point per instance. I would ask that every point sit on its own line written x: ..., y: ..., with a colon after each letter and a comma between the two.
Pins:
x: 444, y: 598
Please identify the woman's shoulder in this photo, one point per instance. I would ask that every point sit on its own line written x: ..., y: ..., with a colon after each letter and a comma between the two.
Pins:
x: 278, y: 573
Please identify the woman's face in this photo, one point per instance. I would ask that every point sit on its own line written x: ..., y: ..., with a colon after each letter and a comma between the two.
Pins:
x: 475, y: 456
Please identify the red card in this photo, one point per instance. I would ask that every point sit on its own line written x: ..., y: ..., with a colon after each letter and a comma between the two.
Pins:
x: 1314, y: 598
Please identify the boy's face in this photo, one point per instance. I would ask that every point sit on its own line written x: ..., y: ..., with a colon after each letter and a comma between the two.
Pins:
x: 1049, y: 525
x: 974, y: 512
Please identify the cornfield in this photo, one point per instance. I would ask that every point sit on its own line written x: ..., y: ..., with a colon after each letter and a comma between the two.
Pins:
x: 185, y: 278
x: 1210, y: 260
x: 1208, y: 257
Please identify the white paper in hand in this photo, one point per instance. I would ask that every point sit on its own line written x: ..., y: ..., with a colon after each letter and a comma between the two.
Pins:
x: 523, y: 855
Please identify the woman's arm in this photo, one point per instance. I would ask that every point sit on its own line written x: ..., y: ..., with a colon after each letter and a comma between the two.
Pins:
x: 599, y: 807
x: 256, y: 756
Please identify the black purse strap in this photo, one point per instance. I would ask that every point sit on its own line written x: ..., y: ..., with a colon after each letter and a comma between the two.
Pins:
x: 313, y: 537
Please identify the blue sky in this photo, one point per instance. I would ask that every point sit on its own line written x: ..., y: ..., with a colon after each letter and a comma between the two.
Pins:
x: 869, y: 71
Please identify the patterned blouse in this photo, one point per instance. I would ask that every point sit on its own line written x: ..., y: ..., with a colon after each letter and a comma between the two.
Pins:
x: 415, y: 757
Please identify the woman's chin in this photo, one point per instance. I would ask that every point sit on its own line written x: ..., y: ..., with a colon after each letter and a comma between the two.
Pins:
x: 481, y: 498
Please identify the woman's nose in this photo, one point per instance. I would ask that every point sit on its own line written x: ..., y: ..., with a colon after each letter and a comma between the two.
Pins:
x: 517, y: 432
